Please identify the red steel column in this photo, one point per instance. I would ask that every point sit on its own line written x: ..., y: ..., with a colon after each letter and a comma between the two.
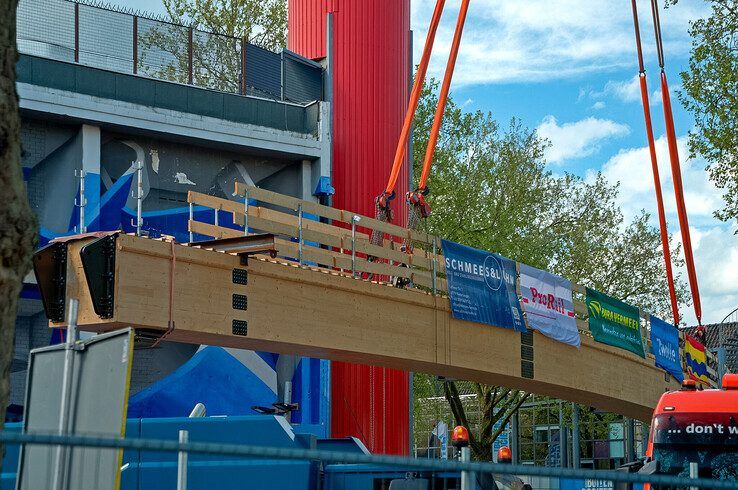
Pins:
x: 371, y: 42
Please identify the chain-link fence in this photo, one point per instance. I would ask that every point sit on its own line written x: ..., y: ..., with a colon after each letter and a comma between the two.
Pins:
x: 102, y: 38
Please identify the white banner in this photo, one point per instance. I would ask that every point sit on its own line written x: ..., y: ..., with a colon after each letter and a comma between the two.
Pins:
x: 547, y: 302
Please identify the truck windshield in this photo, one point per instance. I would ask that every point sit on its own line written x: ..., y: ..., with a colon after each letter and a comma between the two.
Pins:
x: 708, y: 439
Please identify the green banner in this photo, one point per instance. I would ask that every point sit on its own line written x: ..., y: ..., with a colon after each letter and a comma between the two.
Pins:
x: 614, y: 323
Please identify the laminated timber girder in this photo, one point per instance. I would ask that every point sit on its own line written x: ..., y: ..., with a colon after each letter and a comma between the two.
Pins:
x: 235, y: 299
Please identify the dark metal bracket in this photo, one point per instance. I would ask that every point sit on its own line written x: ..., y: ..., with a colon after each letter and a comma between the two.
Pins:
x: 242, y: 246
x: 98, y: 262
x: 527, y: 368
x: 50, y: 267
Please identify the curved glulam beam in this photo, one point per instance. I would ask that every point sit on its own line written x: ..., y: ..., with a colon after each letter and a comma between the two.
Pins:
x: 322, y: 314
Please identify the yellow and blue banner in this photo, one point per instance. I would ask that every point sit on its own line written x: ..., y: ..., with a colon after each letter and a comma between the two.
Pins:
x: 696, y: 359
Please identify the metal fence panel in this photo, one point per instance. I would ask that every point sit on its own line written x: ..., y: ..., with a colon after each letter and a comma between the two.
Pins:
x: 162, y: 50
x: 216, y: 62
x: 303, y: 79
x: 95, y: 404
x: 46, y: 28
x: 105, y: 39
x: 263, y: 72
x: 377, y: 464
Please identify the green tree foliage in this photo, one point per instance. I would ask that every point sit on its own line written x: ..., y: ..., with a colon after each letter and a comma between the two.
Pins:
x: 218, y: 28
x: 490, y: 189
x: 711, y: 95
x: 261, y: 22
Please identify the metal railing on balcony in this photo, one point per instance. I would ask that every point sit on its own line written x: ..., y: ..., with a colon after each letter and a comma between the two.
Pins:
x: 125, y: 42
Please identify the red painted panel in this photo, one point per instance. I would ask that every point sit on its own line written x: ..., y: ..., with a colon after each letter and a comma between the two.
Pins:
x: 370, y: 95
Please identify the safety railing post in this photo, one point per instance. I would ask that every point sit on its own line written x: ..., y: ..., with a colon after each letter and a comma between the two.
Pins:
x: 82, y: 202
x: 189, y: 55
x: 354, y: 219
x: 435, y: 286
x: 139, y: 198
x: 299, y: 233
x: 76, y: 32
x: 184, y: 437
x: 243, y: 65
x: 138, y: 222
x: 694, y: 472
x: 135, y: 44
x: 189, y: 225
x: 215, y: 218
x: 246, y: 213
x: 466, y: 476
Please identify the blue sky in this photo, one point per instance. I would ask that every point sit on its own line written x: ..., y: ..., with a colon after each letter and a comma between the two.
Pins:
x: 567, y: 68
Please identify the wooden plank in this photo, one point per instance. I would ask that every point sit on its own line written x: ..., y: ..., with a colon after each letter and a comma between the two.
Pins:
x: 288, y: 202
x: 207, y: 229
x: 213, y: 202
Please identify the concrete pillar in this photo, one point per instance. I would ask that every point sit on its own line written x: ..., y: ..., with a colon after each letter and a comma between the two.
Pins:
x: 90, y: 165
x: 307, y: 182
x: 323, y: 167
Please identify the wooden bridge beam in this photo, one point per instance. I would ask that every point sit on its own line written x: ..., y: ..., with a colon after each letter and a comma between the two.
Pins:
x: 318, y: 313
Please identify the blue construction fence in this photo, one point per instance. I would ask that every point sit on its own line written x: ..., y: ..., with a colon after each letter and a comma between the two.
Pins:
x: 265, y: 452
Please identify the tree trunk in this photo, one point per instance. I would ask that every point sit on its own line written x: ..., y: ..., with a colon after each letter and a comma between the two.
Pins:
x: 494, y: 406
x: 17, y: 222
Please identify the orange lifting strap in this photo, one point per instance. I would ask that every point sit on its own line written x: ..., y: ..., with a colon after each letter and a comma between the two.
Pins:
x: 414, y: 100
x: 676, y: 171
x: 655, y: 167
x: 417, y: 197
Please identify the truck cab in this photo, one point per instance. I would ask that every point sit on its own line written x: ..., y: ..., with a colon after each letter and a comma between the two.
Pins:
x: 696, y: 426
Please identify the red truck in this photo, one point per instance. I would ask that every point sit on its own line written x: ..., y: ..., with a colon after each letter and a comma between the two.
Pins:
x: 695, y: 427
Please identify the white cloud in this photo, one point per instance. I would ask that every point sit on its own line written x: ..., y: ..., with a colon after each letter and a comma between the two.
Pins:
x: 632, y: 168
x: 626, y: 91
x: 577, y: 139
x: 599, y: 105
x: 716, y: 262
x: 715, y: 246
x: 509, y: 41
